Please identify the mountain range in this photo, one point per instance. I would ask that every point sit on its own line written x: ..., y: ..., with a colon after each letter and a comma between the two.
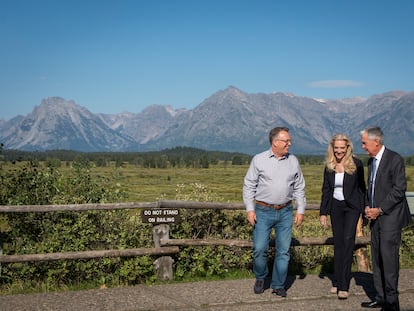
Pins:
x: 229, y: 120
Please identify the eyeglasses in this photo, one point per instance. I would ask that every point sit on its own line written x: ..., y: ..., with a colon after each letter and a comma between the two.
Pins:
x: 286, y: 141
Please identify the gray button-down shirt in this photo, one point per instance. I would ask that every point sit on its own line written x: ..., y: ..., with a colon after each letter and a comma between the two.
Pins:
x: 274, y: 181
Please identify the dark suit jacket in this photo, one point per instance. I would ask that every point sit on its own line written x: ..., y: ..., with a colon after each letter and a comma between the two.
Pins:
x: 354, y: 189
x: 390, y: 188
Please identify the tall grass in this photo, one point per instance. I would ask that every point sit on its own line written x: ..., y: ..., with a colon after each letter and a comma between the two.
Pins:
x: 224, y: 180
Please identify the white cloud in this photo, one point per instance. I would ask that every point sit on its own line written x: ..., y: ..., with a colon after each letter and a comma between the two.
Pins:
x: 335, y: 84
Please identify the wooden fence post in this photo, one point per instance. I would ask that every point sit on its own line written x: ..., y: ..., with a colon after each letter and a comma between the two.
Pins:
x: 1, y: 248
x: 361, y: 253
x: 164, y: 264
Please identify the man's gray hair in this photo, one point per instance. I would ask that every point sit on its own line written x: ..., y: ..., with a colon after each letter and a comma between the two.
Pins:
x: 374, y: 132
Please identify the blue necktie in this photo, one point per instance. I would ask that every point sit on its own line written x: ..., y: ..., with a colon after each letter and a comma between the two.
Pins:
x: 372, y: 179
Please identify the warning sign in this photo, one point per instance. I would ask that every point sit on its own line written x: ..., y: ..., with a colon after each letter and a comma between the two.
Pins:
x: 160, y: 216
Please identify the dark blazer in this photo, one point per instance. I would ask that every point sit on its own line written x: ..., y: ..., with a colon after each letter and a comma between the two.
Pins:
x: 354, y: 189
x: 390, y: 188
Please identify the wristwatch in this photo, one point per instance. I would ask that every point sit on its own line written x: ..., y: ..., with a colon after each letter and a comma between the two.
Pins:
x: 381, y: 212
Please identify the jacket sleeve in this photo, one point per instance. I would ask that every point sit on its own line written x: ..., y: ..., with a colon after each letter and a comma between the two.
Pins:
x: 326, y: 198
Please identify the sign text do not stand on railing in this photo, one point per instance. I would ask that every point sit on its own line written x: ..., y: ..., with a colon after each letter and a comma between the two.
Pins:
x: 160, y: 216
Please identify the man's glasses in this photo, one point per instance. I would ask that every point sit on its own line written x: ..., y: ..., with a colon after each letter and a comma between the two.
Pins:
x: 286, y: 141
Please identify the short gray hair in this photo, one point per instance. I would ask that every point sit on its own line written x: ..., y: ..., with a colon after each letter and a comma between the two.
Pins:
x: 374, y: 132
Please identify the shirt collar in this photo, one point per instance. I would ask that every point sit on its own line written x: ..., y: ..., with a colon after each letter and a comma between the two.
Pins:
x: 271, y: 154
x: 379, y: 154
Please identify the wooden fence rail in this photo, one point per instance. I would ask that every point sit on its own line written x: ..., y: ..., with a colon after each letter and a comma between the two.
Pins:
x: 90, y: 254
x: 172, y: 204
x: 359, y: 241
x: 163, y: 245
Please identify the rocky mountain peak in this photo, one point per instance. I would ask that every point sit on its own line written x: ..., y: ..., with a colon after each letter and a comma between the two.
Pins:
x: 228, y: 120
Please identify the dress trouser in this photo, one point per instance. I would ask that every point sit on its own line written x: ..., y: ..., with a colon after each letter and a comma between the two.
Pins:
x: 385, y: 250
x: 344, y: 220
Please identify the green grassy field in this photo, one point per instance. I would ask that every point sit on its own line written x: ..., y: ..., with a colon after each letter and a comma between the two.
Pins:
x: 225, y: 182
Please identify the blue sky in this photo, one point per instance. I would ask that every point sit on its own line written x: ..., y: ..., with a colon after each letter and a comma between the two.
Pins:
x: 124, y: 55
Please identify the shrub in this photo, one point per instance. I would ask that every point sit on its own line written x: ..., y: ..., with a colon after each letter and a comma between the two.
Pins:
x: 28, y: 233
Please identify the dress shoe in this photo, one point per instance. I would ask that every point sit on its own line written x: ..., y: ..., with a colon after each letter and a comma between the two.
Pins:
x: 372, y: 304
x: 280, y: 292
x: 258, y: 287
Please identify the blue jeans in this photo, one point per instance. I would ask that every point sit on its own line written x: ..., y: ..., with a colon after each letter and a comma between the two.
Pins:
x: 281, y: 220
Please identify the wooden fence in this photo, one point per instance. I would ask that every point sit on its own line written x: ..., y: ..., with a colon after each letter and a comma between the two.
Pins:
x: 163, y: 245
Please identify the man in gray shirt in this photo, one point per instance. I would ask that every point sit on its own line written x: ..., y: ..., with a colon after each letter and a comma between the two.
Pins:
x: 273, y: 180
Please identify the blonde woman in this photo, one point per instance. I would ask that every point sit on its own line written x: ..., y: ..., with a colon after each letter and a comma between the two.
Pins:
x: 343, y: 194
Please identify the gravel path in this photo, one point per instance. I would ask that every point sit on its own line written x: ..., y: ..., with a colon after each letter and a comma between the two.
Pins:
x: 306, y: 293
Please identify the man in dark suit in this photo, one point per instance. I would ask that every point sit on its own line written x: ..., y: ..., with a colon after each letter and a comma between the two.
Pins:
x: 388, y: 212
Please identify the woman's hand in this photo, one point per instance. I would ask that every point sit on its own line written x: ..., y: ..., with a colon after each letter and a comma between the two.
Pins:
x: 324, y: 221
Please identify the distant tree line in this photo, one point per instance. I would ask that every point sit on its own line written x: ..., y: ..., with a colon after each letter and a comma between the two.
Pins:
x: 179, y: 157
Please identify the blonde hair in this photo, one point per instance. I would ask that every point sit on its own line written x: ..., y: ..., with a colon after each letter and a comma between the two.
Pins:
x: 349, y: 164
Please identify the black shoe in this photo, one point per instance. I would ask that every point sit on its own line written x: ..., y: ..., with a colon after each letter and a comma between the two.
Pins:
x: 281, y: 292
x: 372, y: 304
x: 258, y: 287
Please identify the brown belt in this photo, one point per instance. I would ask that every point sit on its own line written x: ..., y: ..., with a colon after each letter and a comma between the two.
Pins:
x: 275, y: 206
